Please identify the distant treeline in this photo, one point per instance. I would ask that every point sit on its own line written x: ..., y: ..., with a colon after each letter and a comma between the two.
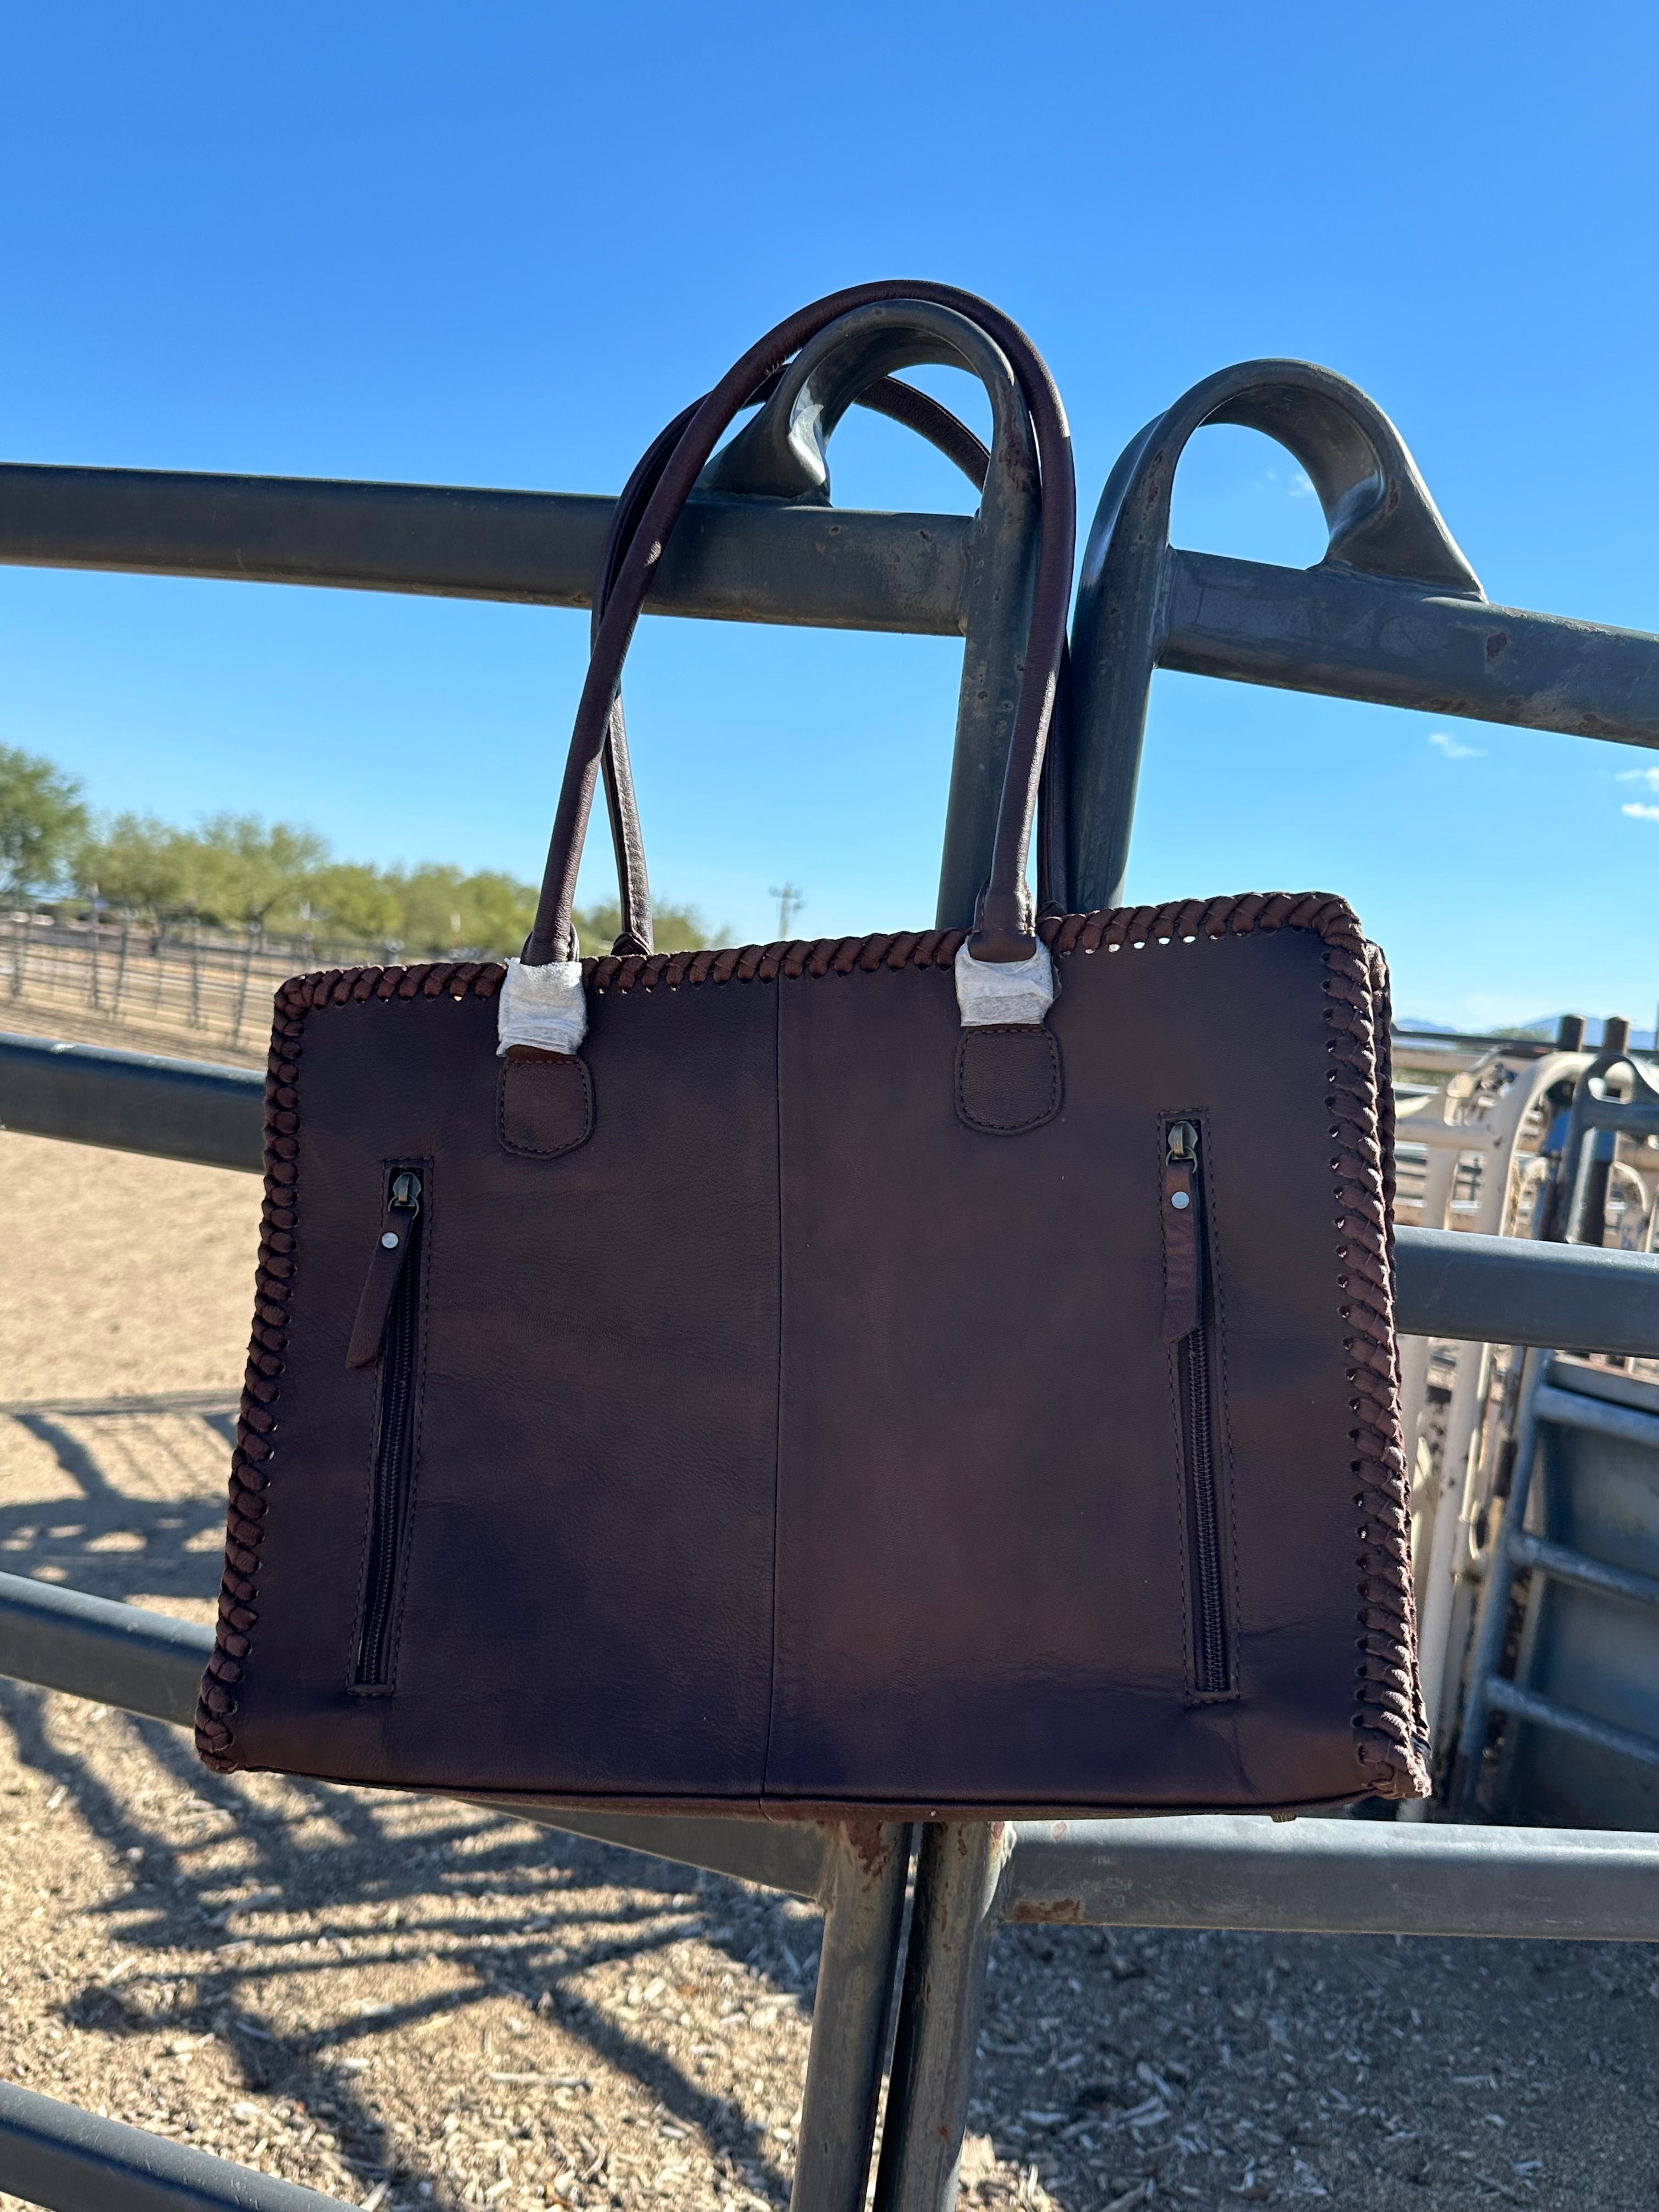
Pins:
x: 274, y: 879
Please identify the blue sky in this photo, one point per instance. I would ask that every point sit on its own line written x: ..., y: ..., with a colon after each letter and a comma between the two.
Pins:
x: 502, y: 246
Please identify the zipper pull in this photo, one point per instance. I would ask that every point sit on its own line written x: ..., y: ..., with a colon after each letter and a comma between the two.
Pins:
x: 402, y: 1205
x: 1182, y: 1233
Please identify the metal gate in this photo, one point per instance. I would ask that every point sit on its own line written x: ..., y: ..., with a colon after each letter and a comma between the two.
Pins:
x: 1392, y: 614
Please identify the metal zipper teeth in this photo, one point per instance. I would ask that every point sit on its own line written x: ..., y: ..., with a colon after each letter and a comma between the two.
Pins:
x: 1211, y: 1673
x: 1212, y: 1652
x: 390, y: 1479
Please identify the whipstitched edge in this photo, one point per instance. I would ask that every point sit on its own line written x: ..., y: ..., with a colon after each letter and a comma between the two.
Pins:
x: 1388, y: 1726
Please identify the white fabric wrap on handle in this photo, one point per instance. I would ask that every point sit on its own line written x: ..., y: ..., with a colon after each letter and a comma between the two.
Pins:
x: 547, y: 1007
x: 991, y: 993
x: 542, y: 1006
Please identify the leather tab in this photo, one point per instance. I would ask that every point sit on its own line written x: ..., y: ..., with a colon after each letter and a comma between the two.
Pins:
x: 392, y: 1244
x: 1180, y: 1251
x: 543, y: 1103
x: 1008, y: 1078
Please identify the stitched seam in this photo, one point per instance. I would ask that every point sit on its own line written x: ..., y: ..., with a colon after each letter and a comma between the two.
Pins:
x: 1382, y: 1041
x: 1171, y: 1368
x: 542, y: 1152
x: 777, y: 1444
x: 361, y: 1614
x: 417, y: 1430
x: 1032, y: 1121
x: 1388, y: 1743
x: 252, y: 1457
x: 1226, y: 1502
x: 1109, y: 929
x: 1217, y: 1380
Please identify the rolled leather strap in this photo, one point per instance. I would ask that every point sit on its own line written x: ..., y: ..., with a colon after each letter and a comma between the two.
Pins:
x: 898, y: 403
x: 1003, y: 930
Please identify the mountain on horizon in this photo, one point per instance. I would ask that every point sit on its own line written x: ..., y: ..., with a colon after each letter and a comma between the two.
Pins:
x: 1543, y: 1028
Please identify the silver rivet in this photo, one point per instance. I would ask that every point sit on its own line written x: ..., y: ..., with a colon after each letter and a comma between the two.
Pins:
x: 1179, y: 1200
x: 390, y: 1240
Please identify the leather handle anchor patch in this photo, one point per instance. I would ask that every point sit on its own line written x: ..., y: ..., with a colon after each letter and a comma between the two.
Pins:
x: 1008, y: 1078
x: 543, y: 1103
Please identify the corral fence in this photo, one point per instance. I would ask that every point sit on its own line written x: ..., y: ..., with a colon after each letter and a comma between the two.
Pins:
x: 1393, y: 614
x: 176, y: 974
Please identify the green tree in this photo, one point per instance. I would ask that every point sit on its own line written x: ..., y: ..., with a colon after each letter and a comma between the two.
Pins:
x: 136, y: 861
x: 348, y: 898
x: 434, y: 908
x: 673, y: 928
x: 237, y: 872
x: 498, y: 912
x: 241, y: 872
x: 42, y: 819
x: 445, y: 911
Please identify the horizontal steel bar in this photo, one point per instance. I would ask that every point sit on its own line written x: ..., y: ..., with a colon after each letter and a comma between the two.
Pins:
x: 1335, y: 1877
x: 1508, y: 1290
x: 1528, y: 1705
x: 1569, y: 1566
x: 1411, y: 1041
x: 1350, y: 636
x: 116, y: 1655
x: 1576, y: 1409
x: 728, y: 560
x: 1500, y: 1290
x: 58, y: 2155
x: 1629, y: 1117
x: 147, y: 1663
x: 1221, y: 1872
x: 135, y: 1102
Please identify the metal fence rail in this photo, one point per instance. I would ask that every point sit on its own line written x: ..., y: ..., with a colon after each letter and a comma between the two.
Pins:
x: 148, y: 1663
x: 133, y: 1102
x: 1497, y: 1289
x: 1398, y: 642
x: 180, y: 978
x: 1194, y: 1871
x: 1394, y: 614
x: 74, y: 2161
x: 1244, y: 1872
x: 729, y: 560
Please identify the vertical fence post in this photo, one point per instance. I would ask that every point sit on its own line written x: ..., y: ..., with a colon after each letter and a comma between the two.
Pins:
x: 862, y: 1893
x: 1492, y: 1621
x: 195, y: 971
x: 241, y: 989
x: 959, y: 1870
x: 121, y: 964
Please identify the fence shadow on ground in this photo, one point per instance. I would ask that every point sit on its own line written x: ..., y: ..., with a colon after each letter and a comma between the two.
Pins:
x: 511, y: 1910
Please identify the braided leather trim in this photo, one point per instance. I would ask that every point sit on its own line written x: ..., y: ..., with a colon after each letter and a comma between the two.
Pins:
x: 1390, y: 1733
x: 1388, y: 1726
x: 250, y: 1461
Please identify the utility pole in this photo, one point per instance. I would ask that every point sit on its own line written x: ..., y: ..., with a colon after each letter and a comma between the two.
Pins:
x: 791, y: 898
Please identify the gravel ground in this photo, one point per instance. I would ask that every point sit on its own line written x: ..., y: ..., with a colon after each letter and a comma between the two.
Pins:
x: 403, y: 2001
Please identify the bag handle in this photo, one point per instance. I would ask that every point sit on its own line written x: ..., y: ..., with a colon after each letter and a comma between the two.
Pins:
x: 899, y: 402
x: 1003, y: 930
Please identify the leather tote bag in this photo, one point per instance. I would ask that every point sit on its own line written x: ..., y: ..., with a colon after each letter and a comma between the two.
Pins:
x: 942, y: 1373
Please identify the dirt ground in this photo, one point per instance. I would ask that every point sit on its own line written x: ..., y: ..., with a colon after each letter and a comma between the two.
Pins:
x: 406, y: 2003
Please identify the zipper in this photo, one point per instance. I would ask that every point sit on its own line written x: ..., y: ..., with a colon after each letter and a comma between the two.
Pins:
x: 388, y: 1327
x: 1187, y: 1330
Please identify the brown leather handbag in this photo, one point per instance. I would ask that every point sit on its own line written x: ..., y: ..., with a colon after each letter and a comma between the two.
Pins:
x: 944, y: 1373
